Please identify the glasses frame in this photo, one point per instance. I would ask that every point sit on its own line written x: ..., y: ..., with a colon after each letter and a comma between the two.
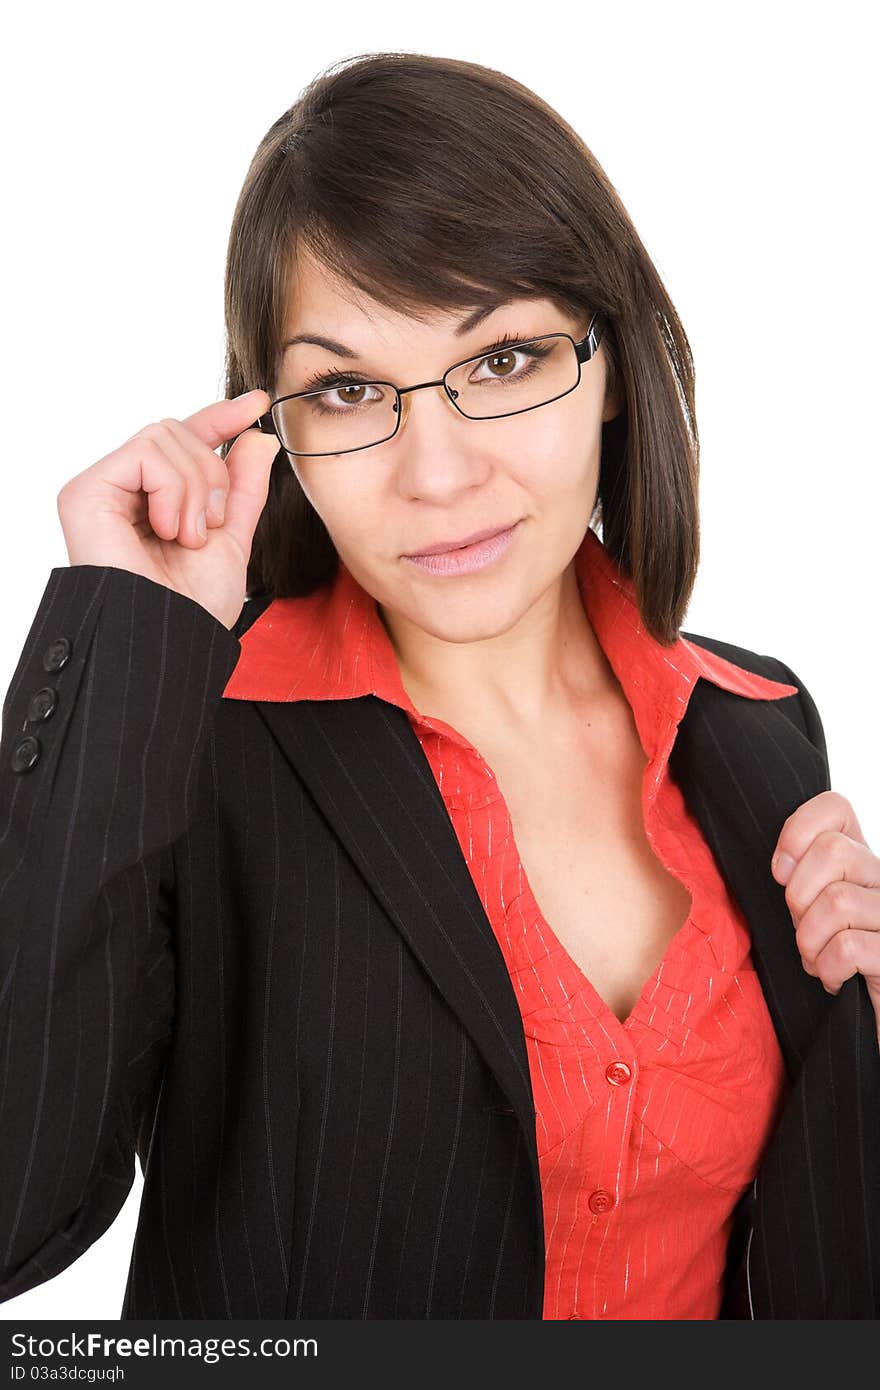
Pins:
x: 584, y: 351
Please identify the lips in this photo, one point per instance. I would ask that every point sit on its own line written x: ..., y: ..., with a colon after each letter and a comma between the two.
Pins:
x: 443, y: 546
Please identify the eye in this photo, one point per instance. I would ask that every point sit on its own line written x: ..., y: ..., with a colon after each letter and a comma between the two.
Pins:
x: 347, y: 393
x: 340, y: 393
x: 501, y: 363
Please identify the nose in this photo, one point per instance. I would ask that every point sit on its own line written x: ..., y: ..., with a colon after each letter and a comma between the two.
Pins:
x: 433, y: 462
x: 406, y: 403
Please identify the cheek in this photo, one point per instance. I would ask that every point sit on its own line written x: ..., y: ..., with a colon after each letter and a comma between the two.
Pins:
x: 347, y: 502
x: 555, y: 466
x: 309, y: 481
x: 559, y: 443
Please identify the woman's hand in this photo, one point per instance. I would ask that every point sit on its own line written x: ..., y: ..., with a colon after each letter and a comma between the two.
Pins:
x: 832, y: 888
x: 138, y: 507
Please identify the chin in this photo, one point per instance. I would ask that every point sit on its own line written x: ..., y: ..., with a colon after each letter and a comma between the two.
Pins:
x: 467, y: 617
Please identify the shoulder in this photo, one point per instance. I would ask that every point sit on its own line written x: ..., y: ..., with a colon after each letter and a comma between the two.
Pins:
x: 800, y: 709
x: 757, y: 663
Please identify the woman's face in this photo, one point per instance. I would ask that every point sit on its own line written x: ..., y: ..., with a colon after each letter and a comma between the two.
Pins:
x: 444, y: 477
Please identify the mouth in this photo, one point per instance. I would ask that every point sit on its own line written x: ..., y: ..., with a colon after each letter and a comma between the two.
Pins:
x: 467, y: 555
x: 443, y: 547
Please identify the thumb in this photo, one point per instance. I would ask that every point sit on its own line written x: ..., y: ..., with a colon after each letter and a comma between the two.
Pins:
x: 248, y: 463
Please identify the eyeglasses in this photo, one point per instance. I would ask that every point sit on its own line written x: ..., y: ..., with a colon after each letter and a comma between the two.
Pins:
x: 348, y: 412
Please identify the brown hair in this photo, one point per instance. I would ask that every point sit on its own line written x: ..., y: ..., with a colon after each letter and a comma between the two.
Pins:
x: 435, y: 184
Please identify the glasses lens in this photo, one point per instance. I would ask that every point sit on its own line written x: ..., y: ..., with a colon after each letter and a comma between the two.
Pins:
x: 349, y: 416
x: 515, y: 378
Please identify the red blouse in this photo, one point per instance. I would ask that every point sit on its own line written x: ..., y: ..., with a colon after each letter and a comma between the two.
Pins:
x: 649, y: 1130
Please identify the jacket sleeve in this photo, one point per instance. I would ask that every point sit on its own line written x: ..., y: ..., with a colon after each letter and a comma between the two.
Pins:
x: 104, y: 727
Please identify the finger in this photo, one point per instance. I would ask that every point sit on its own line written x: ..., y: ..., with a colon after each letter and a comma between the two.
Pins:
x: 827, y: 811
x: 195, y: 494
x: 249, y: 465
x: 212, y: 469
x: 830, y: 857
x: 216, y: 423
x: 840, y: 906
x: 849, y: 952
x: 150, y: 482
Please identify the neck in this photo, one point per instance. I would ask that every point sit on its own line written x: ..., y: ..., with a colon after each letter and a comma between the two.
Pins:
x: 550, y: 661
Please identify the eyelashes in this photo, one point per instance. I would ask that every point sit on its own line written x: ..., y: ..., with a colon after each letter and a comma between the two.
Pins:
x: 333, y: 376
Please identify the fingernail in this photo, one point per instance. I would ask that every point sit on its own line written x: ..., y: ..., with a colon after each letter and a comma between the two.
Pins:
x: 783, y: 864
x: 201, y: 524
x: 217, y: 502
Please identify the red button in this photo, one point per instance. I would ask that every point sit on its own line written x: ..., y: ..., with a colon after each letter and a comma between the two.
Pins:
x: 618, y: 1073
x: 600, y: 1201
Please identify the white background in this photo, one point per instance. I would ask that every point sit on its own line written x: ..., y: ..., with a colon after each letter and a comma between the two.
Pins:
x: 743, y: 142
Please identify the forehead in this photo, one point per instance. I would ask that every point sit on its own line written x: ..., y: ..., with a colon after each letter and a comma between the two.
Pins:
x: 315, y: 288
x: 320, y: 300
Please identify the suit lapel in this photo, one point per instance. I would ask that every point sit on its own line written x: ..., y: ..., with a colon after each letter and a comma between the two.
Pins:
x: 366, y: 770
x: 743, y: 767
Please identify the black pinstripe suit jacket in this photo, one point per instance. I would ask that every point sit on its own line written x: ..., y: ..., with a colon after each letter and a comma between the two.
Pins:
x: 240, y: 941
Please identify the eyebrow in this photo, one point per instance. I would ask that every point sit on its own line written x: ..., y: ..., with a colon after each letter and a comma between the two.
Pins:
x: 467, y: 325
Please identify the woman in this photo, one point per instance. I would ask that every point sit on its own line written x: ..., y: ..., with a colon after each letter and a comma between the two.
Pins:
x: 414, y: 921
